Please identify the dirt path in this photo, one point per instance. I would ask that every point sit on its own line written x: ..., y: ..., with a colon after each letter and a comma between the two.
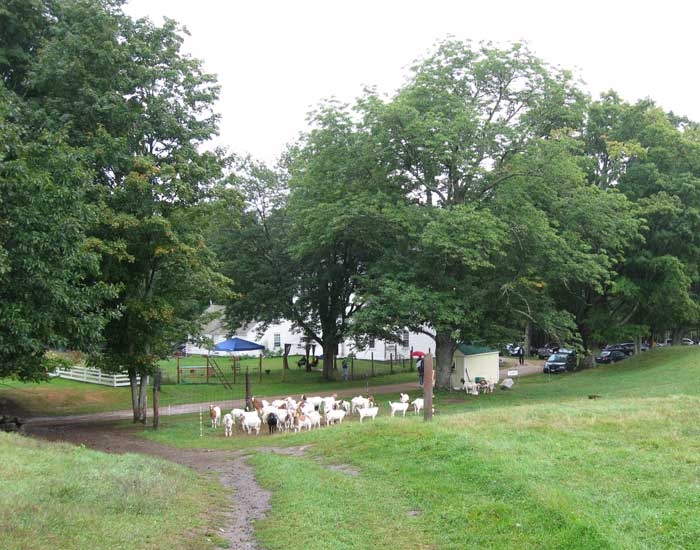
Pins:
x: 249, y: 501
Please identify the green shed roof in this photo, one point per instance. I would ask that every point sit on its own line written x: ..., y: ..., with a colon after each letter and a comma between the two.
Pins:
x: 466, y: 349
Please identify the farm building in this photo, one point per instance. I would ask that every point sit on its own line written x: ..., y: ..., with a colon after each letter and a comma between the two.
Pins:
x: 278, y: 334
x: 473, y: 362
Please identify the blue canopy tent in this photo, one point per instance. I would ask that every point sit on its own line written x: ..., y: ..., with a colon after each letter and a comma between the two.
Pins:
x: 237, y: 344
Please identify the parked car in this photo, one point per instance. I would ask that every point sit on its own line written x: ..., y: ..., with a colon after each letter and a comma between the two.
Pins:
x: 560, y: 362
x: 626, y: 348
x: 513, y: 349
x: 547, y: 350
x: 607, y: 357
x: 688, y: 342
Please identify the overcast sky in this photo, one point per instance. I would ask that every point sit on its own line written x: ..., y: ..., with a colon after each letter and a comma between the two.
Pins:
x: 276, y: 60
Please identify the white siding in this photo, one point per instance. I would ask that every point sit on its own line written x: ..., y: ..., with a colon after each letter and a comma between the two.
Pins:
x: 469, y: 367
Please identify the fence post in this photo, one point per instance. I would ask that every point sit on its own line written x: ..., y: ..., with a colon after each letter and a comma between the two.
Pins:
x: 260, y: 369
x: 156, y: 404
x: 410, y: 360
x: 391, y: 363
x: 248, y: 390
x: 207, y: 371
x: 178, y: 369
x: 352, y: 367
x: 372, y: 356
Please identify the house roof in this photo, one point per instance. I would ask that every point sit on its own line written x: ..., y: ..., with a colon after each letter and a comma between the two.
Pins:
x: 466, y: 349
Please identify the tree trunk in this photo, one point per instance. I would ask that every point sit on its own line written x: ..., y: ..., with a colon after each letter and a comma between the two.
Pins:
x: 134, y: 394
x: 445, y: 347
x: 528, y: 335
x: 285, y: 361
x: 143, y: 399
x: 308, y: 363
x: 637, y: 345
x: 676, y: 336
x: 328, y: 358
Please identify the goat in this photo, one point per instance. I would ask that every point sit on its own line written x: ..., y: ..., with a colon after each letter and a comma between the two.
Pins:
x: 279, y: 403
x: 215, y: 415
x: 368, y: 411
x: 398, y: 407
x: 306, y: 408
x: 360, y: 402
x: 228, y: 425
x: 251, y: 423
x: 334, y: 416
x: 315, y: 401
x: 258, y: 404
x: 418, y: 405
x: 404, y: 398
x: 345, y: 405
x: 302, y: 421
x: 315, y: 419
x: 272, y: 422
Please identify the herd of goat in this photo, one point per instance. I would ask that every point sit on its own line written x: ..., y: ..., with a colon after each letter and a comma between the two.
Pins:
x: 290, y: 415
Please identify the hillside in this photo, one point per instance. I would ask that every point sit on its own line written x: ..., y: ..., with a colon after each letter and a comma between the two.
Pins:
x: 556, y: 471
x: 60, y: 496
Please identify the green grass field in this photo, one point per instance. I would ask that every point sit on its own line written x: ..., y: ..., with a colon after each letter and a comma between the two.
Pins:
x: 542, y: 466
x: 57, y: 496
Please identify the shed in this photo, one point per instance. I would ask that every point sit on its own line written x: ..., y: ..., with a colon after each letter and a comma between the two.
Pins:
x: 472, y: 362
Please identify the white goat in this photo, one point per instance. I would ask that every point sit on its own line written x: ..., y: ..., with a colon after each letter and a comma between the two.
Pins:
x: 215, y: 415
x: 228, y: 425
x: 315, y: 419
x: 251, y: 423
x: 345, y: 405
x: 398, y: 407
x: 371, y: 412
x: 302, y: 421
x: 359, y: 402
x: 404, y: 398
x: 418, y: 405
x: 334, y: 416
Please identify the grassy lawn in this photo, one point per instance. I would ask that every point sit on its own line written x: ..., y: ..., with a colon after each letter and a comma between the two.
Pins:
x: 542, y: 466
x: 60, y: 397
x: 57, y: 496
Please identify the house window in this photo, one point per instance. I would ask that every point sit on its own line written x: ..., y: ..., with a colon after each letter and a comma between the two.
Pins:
x: 371, y: 343
x: 277, y: 341
x: 404, y: 339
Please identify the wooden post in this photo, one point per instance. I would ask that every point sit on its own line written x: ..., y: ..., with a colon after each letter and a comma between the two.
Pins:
x: 178, y: 369
x: 428, y: 387
x: 207, y: 371
x: 352, y: 367
x: 260, y: 369
x: 233, y: 367
x: 391, y: 363
x: 410, y: 360
x: 248, y: 390
x: 403, y: 364
x: 372, y: 356
x: 156, y: 392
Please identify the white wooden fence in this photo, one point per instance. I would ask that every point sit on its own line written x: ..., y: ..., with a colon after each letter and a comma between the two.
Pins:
x: 92, y: 376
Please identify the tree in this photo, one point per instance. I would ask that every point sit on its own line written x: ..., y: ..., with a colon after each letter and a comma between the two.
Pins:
x: 49, y: 293
x: 452, y: 136
x: 310, y: 234
x: 121, y: 90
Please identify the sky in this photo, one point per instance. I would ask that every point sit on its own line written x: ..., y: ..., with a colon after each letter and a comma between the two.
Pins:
x: 275, y: 60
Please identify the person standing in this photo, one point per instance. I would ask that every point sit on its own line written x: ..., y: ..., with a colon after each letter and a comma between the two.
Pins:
x: 345, y: 369
x: 521, y: 355
x: 421, y: 371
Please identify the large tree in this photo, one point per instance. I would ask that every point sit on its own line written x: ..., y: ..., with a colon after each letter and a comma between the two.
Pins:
x: 49, y: 292
x: 140, y: 110
x: 453, y: 135
x: 311, y: 232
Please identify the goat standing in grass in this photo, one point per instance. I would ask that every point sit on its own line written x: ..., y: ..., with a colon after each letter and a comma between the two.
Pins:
x: 398, y: 407
x: 371, y: 412
x: 228, y: 425
x: 215, y: 415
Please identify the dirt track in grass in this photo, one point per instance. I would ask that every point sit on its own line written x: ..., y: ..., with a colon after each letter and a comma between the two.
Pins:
x: 248, y: 501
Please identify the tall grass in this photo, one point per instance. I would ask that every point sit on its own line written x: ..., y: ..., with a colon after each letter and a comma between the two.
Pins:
x: 56, y: 496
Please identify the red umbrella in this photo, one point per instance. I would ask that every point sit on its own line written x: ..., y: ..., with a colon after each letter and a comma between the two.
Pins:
x: 418, y: 354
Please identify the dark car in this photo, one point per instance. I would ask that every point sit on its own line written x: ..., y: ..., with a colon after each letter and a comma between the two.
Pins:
x: 547, y: 350
x: 560, y: 362
x: 606, y: 356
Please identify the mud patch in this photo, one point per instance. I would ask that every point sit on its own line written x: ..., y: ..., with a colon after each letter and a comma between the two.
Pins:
x: 301, y: 452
